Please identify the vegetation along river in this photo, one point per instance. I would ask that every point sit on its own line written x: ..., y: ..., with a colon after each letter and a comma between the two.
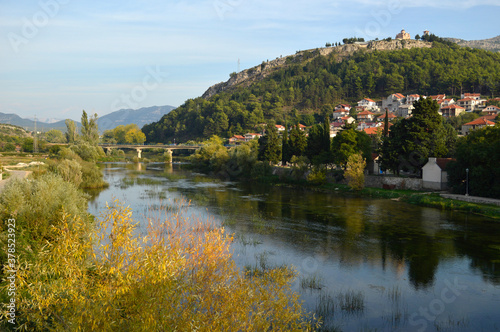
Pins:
x: 363, y: 264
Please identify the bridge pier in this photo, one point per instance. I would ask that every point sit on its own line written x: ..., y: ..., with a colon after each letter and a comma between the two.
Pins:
x: 168, y: 153
x: 108, y: 150
x: 139, y: 153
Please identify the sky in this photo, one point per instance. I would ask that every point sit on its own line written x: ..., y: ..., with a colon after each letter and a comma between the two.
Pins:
x: 59, y: 57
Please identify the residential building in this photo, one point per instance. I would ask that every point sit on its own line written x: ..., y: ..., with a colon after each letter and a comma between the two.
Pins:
x: 347, y: 119
x: 251, y: 136
x: 365, y: 116
x: 434, y: 175
x: 390, y: 116
x: 367, y: 103
x: 337, y: 114
x: 452, y: 111
x: 492, y: 109
x: 237, y: 139
x: 410, y: 99
x: 476, y: 124
x: 280, y: 128
x: 346, y: 107
x: 476, y: 96
x: 469, y: 104
x: 404, y: 111
x: 393, y: 101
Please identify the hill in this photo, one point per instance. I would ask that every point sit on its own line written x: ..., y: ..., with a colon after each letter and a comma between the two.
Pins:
x: 306, y: 86
x: 12, y: 130
x: 491, y: 44
x: 27, y: 124
x: 140, y: 117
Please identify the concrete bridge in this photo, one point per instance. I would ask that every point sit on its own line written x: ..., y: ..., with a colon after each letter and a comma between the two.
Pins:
x: 139, y: 147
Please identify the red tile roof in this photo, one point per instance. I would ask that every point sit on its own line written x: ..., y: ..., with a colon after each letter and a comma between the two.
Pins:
x: 443, y: 162
x: 390, y: 116
x: 366, y: 113
x: 479, y: 122
x: 372, y: 130
x: 368, y: 99
x: 453, y: 106
x: 398, y: 95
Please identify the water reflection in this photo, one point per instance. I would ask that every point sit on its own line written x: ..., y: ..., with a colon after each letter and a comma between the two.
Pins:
x: 397, y: 255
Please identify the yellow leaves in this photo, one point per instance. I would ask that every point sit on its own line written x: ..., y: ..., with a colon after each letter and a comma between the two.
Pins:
x: 179, y: 277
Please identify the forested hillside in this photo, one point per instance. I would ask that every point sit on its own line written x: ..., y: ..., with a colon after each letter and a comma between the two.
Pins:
x: 314, y: 85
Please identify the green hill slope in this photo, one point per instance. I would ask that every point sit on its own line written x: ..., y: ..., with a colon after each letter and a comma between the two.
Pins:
x: 310, y: 83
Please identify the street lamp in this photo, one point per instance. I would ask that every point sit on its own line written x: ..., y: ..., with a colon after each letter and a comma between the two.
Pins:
x: 467, y: 182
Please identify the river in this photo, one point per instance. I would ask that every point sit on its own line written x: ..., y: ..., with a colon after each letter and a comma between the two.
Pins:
x: 363, y: 264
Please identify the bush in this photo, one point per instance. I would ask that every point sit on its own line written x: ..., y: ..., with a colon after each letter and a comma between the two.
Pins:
x: 92, y: 176
x: 87, y: 151
x: 317, y: 176
x: 71, y: 171
x: 180, y: 276
x: 37, y: 206
x: 354, y: 172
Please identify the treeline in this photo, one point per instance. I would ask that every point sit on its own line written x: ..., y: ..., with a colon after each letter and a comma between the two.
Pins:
x: 310, y: 89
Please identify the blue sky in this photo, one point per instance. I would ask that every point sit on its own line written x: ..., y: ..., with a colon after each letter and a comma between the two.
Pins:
x: 59, y: 57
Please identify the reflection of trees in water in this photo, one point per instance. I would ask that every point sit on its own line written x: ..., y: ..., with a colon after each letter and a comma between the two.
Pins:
x: 484, y: 254
x: 355, y: 231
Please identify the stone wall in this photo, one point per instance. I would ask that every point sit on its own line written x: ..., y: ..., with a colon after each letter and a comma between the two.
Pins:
x: 393, y: 182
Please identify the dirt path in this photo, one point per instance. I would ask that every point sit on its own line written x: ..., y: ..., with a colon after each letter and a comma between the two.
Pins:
x: 14, y: 175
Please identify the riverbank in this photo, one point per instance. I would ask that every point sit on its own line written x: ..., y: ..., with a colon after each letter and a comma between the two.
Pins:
x: 427, y: 199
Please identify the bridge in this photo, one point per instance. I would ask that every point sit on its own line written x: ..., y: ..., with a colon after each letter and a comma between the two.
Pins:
x: 139, y: 147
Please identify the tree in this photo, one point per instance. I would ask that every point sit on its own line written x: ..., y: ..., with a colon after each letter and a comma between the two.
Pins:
x: 386, y: 123
x: 285, y: 148
x: 417, y: 37
x: 71, y: 132
x: 349, y: 142
x: 297, y: 142
x: 89, y: 130
x: 55, y: 136
x: 269, y: 147
x: 479, y: 152
x: 412, y: 141
x: 354, y: 172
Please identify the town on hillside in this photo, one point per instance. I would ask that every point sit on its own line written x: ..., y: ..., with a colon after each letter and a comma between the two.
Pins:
x: 369, y: 115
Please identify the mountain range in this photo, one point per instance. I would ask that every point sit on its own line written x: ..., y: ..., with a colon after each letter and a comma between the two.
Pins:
x: 491, y: 44
x: 140, y: 117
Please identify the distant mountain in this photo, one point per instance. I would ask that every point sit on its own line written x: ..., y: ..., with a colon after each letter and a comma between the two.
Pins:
x: 29, y: 125
x: 492, y: 44
x: 140, y: 117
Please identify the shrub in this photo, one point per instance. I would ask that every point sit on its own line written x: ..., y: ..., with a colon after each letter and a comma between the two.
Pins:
x: 92, y: 176
x: 181, y: 277
x: 71, y: 171
x: 354, y: 172
x: 37, y: 206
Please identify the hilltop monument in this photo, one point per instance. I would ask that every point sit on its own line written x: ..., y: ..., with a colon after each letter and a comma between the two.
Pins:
x: 403, y: 35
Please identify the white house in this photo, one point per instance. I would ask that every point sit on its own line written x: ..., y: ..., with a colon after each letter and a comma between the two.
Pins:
x: 434, y: 175
x: 410, y: 99
x: 393, y: 101
x: 368, y: 103
x: 491, y: 110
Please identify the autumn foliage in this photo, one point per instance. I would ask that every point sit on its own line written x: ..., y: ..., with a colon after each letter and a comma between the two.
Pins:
x: 175, y: 274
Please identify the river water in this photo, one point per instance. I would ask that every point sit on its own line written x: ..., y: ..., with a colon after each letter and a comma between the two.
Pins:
x: 363, y: 264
